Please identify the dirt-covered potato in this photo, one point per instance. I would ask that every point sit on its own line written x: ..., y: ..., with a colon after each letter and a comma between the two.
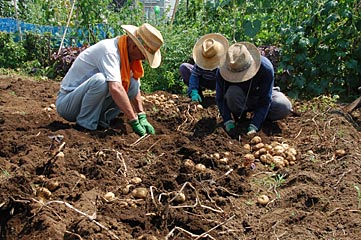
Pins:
x: 140, y: 193
x: 256, y: 140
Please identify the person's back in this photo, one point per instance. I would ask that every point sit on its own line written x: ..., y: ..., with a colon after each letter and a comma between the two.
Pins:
x: 91, y: 61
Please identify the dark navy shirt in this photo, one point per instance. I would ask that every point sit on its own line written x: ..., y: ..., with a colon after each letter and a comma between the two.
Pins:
x: 199, y: 74
x: 260, y: 92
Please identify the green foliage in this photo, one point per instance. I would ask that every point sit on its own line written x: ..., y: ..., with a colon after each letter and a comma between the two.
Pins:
x: 12, y: 54
x: 319, y: 40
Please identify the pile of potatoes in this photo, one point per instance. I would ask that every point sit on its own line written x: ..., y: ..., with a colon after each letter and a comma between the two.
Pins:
x: 278, y: 154
x: 161, y: 101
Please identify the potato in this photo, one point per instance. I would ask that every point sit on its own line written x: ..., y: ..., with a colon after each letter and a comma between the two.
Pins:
x: 43, y: 193
x: 268, y: 147
x: 109, y: 196
x: 140, y: 193
x: 292, y: 151
x: 255, y: 140
x: 52, y: 185
x: 200, y: 167
x: 126, y: 189
x: 258, y: 146
x: 279, y: 161
x: 227, y: 154
x: 135, y: 180
x: 180, y: 198
x: 247, y: 147
x: 216, y: 155
x: 189, y: 165
x: 266, y: 158
x: 263, y: 199
x: 340, y: 153
x: 249, y: 157
x: 223, y: 160
x: 257, y: 154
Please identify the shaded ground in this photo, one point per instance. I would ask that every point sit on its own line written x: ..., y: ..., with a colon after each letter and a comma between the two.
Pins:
x: 46, y: 196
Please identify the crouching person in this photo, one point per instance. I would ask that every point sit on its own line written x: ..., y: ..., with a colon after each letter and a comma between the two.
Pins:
x: 105, y: 79
x: 245, y: 83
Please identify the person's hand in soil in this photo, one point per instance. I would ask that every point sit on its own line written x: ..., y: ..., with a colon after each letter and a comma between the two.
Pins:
x: 144, y: 122
x: 137, y: 127
x: 195, y: 96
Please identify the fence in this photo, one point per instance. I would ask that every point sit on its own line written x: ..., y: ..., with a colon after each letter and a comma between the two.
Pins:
x: 73, y: 36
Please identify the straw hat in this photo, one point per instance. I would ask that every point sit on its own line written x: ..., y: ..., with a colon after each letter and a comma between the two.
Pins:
x: 209, y: 50
x: 149, y: 40
x: 241, y: 63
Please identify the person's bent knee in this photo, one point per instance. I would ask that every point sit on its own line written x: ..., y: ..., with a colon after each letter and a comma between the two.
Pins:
x: 236, y: 99
x: 280, y: 108
x: 99, y: 82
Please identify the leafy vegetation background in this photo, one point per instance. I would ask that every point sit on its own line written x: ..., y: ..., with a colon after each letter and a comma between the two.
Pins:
x: 318, y: 41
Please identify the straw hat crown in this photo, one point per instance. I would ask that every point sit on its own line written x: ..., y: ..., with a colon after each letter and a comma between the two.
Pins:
x: 241, y: 63
x: 149, y: 40
x: 209, y: 50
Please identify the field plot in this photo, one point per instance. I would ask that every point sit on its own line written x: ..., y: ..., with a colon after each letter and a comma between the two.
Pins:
x: 189, y: 181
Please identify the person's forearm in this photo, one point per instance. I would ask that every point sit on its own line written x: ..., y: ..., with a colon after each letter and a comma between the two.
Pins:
x: 137, y: 103
x: 121, y: 99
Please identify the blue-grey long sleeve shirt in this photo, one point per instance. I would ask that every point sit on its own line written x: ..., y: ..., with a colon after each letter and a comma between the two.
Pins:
x: 259, y: 90
x: 198, y: 75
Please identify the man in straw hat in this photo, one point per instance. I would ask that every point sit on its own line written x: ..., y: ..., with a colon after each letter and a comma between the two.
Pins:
x: 245, y: 83
x: 207, y: 53
x: 105, y: 79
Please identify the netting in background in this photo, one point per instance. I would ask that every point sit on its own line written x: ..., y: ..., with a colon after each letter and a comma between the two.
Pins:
x: 74, y: 37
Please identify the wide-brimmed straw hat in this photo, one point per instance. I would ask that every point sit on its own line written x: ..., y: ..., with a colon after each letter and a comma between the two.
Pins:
x: 209, y: 50
x: 149, y: 40
x: 241, y: 63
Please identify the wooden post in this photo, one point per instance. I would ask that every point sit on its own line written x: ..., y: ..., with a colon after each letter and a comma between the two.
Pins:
x: 66, y: 28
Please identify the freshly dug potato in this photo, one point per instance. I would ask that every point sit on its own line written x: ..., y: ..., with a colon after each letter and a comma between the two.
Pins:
x: 189, y: 165
x: 249, y: 157
x: 256, y: 140
x: 258, y: 146
x: 340, y: 153
x: 52, y: 185
x: 135, y: 180
x: 247, y: 146
x: 263, y: 200
x: 109, y: 196
x: 180, y: 198
x: 43, y: 193
x: 266, y: 158
x: 200, y: 167
x: 223, y: 160
x: 140, y: 193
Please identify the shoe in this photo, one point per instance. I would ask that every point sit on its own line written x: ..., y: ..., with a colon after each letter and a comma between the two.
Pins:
x: 80, y: 128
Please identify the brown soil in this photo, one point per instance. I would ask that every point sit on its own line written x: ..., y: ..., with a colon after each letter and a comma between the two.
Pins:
x: 314, y: 197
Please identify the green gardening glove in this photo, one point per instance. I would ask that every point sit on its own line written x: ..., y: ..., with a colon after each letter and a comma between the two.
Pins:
x: 137, y: 127
x: 229, y: 125
x: 195, y: 96
x: 144, y: 122
x: 252, y: 129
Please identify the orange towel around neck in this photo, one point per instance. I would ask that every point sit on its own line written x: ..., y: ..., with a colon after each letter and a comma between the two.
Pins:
x: 125, y: 66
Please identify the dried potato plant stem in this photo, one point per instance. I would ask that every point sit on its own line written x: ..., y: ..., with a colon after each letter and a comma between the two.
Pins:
x: 154, y: 144
x: 75, y: 234
x: 120, y: 158
x: 90, y: 217
x: 203, y: 235
x: 342, y: 175
x: 198, y: 201
x: 139, y: 140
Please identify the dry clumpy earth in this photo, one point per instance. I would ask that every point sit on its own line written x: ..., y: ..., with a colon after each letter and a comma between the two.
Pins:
x: 55, y: 180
